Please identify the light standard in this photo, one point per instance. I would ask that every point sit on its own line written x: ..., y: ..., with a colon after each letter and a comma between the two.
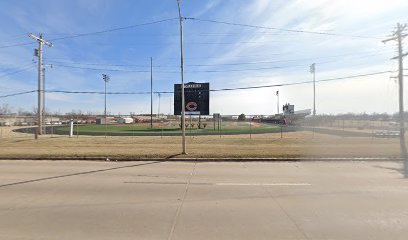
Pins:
x: 183, y: 103
x: 277, y: 103
x: 313, y: 71
x: 106, y: 79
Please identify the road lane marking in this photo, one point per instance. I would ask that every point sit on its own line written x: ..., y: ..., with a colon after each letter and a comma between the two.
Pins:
x: 263, y: 184
x: 226, y: 184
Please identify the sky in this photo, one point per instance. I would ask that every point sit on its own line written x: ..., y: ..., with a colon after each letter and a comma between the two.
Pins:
x: 265, y: 43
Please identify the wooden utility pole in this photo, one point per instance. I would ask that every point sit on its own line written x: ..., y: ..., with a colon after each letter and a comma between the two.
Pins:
x: 183, y: 102
x: 398, y: 36
x: 38, y: 53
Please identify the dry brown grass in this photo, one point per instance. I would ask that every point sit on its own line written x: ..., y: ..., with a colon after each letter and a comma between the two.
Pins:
x: 296, y: 144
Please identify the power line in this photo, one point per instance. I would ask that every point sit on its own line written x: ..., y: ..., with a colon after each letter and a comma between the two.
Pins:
x: 18, y: 67
x: 279, y: 29
x: 113, y: 29
x: 228, y: 89
x: 100, y: 69
x: 282, y: 61
x: 356, y: 56
x: 93, y: 33
x: 192, y: 71
x: 17, y: 71
x: 211, y: 90
x: 17, y: 94
x: 101, y: 64
x: 17, y: 45
x: 299, y: 83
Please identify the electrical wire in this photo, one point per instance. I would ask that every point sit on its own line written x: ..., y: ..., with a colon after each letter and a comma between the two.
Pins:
x: 275, y: 28
x: 304, y: 82
x: 17, y: 94
x: 101, y: 69
x: 225, y: 89
x: 18, y: 67
x: 211, y: 90
x: 92, y: 33
x: 174, y: 72
x: 113, y: 29
x: 17, y: 71
x: 220, y: 64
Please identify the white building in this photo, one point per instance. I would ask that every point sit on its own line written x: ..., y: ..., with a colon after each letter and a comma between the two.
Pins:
x: 125, y: 120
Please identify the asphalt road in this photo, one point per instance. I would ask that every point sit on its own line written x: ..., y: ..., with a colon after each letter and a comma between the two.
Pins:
x: 170, y: 200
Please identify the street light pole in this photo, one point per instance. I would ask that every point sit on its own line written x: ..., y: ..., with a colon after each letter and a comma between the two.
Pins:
x: 183, y: 104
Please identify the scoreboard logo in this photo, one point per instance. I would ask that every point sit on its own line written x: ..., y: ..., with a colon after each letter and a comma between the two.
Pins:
x: 191, y: 106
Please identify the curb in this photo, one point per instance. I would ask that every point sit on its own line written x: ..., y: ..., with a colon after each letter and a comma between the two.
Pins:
x: 272, y: 159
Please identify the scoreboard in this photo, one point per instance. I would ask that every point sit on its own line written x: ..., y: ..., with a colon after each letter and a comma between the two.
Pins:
x: 197, y: 98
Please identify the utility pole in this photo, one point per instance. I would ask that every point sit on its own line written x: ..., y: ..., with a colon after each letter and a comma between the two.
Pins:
x: 106, y: 79
x: 183, y: 101
x: 43, y: 100
x: 277, y: 104
x: 313, y: 71
x: 151, y: 92
x: 44, y: 90
x: 398, y: 36
x: 38, y: 53
x: 158, y: 109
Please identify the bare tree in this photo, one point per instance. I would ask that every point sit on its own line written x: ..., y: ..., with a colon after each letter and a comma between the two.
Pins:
x: 5, y: 109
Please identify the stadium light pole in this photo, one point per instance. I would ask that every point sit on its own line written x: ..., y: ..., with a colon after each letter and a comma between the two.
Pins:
x: 151, y: 92
x: 183, y: 113
x: 313, y: 71
x: 106, y: 79
x: 277, y: 103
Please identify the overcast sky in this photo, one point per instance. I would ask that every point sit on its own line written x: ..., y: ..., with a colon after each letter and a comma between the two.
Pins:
x: 225, y: 55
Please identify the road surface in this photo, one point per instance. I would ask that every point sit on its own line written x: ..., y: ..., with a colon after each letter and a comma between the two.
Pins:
x: 176, y: 200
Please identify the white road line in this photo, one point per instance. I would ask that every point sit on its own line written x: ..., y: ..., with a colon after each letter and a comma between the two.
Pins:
x: 263, y: 184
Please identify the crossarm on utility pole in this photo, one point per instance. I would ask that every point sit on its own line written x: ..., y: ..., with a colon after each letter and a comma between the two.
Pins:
x: 40, y: 40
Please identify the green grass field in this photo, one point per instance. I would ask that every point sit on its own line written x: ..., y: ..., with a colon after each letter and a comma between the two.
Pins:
x: 169, y: 128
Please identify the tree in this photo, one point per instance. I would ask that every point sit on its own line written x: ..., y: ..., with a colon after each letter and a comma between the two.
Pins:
x: 5, y: 109
x: 23, y: 112
x: 241, y: 117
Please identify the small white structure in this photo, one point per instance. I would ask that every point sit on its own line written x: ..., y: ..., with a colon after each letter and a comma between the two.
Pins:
x: 101, y: 120
x: 125, y: 120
